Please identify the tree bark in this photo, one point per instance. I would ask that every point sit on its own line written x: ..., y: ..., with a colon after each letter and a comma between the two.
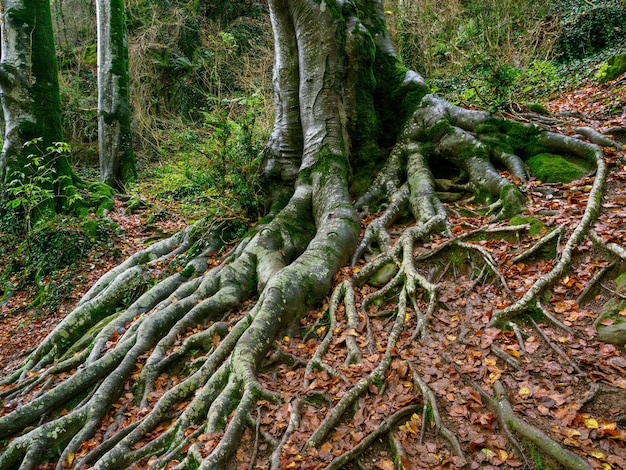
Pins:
x: 117, y: 160
x: 30, y: 94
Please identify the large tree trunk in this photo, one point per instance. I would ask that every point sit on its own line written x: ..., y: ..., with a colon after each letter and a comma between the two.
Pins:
x: 117, y: 160
x: 342, y: 101
x: 30, y: 99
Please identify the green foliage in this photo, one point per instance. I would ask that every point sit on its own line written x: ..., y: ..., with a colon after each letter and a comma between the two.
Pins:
x: 551, y: 168
x: 41, y: 258
x: 612, y: 69
x: 33, y: 187
x: 590, y: 27
x: 216, y: 169
x: 494, y: 54
x: 490, y: 83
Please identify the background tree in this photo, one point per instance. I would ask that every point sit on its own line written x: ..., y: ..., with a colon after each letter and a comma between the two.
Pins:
x: 31, y: 104
x: 350, y: 121
x: 117, y: 160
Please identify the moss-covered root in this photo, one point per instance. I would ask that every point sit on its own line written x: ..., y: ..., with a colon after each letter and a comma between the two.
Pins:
x: 501, y: 317
x: 511, y: 426
x: 566, y: 458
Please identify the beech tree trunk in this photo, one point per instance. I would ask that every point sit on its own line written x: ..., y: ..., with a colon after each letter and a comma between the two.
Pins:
x: 117, y: 160
x: 29, y: 90
x: 351, y: 124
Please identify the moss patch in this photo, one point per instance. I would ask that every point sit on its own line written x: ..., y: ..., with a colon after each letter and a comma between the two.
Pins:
x: 617, y: 66
x: 536, y: 225
x: 551, y: 168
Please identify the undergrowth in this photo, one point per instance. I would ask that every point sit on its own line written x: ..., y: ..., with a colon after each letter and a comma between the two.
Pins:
x: 44, y: 260
x: 498, y: 54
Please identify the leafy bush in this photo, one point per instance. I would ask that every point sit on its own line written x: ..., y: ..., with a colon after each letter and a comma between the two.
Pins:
x: 588, y: 29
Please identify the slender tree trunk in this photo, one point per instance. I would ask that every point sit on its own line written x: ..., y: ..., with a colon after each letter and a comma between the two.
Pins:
x: 117, y: 160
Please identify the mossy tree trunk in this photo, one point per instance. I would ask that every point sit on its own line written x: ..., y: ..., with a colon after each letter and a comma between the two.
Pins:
x: 350, y: 120
x: 30, y: 99
x: 117, y: 160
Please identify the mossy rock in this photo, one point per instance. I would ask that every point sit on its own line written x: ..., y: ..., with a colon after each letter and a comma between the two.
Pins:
x: 615, y: 332
x: 616, y: 67
x: 551, y: 168
x: 536, y: 225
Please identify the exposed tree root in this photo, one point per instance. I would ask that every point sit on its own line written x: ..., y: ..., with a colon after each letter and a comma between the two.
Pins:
x: 179, y: 373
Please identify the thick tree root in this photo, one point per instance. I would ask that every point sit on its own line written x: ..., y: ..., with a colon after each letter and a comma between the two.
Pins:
x: 181, y: 372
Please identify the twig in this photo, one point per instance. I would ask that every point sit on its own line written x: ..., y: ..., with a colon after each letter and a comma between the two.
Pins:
x: 489, y: 261
x: 492, y: 404
x: 256, y: 439
x: 592, y: 283
x: 612, y: 291
x: 555, y: 347
x: 502, y: 354
x: 431, y: 402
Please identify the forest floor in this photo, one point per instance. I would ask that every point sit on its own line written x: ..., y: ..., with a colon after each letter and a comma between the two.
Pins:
x: 569, y: 384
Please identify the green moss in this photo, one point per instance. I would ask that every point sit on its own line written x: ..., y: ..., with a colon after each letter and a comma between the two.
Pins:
x: 615, y: 67
x: 539, y: 109
x: 536, y: 225
x: 551, y: 168
x: 620, y: 284
x: 512, y: 200
x: 90, y: 55
x: 509, y: 136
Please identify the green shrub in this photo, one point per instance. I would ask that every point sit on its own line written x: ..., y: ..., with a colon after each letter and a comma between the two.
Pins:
x: 586, y: 29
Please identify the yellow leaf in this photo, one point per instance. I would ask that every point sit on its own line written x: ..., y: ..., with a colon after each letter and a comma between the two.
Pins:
x: 286, y: 339
x: 597, y: 454
x: 70, y: 458
x: 524, y: 392
x: 326, y: 447
x: 513, y: 352
x: 622, y: 312
x: 571, y: 432
x: 609, y: 426
x: 591, y: 423
x: 385, y: 464
x: 502, y: 454
x: 410, y: 428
